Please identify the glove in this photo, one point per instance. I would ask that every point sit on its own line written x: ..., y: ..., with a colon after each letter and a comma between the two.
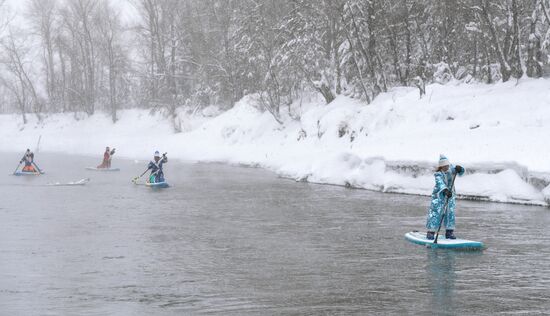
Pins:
x: 21, y: 161
x: 459, y: 169
x: 164, y: 155
x: 448, y: 193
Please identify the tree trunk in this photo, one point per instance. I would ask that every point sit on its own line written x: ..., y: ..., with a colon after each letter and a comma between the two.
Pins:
x: 517, y: 68
x: 505, y: 68
x: 534, y: 53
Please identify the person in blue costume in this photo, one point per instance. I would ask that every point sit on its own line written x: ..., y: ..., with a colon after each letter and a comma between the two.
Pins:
x: 441, y: 193
x: 156, y: 168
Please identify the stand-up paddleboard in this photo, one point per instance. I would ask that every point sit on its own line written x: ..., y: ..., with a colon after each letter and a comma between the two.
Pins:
x: 73, y: 183
x: 102, y: 169
x: 27, y: 173
x: 442, y: 242
x: 159, y: 185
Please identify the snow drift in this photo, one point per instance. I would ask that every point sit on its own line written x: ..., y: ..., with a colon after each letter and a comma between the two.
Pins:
x: 497, y: 132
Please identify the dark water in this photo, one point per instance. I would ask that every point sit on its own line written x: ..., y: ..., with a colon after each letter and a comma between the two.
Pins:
x: 233, y: 241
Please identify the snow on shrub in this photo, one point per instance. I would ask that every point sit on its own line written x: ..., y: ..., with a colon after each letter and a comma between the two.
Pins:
x: 442, y: 73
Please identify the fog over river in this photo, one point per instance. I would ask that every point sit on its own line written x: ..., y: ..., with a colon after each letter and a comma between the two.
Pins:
x: 234, y: 241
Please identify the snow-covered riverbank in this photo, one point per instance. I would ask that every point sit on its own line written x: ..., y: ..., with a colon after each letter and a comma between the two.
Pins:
x: 500, y: 132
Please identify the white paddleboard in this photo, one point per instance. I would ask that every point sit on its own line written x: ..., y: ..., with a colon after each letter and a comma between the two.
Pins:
x: 79, y: 182
x: 419, y: 238
x: 102, y: 169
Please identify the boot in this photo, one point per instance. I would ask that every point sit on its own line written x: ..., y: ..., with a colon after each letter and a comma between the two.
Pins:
x: 430, y: 235
x: 449, y: 234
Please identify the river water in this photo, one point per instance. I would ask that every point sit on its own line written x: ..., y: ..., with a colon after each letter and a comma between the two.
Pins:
x: 236, y: 241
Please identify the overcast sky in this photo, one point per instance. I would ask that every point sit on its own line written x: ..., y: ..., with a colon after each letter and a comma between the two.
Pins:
x: 127, y: 10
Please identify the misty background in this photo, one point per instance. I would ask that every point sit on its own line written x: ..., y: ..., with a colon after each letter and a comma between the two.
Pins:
x: 82, y: 56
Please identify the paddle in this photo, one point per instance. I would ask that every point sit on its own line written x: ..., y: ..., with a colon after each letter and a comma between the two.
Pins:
x: 111, y: 157
x: 445, y: 207
x: 20, y: 162
x: 38, y: 144
x: 40, y: 171
x: 134, y: 180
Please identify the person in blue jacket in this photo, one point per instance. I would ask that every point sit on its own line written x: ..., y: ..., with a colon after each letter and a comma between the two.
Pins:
x: 441, y: 193
x: 156, y: 168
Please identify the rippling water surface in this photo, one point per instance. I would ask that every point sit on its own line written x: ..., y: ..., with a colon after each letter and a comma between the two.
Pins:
x: 233, y: 241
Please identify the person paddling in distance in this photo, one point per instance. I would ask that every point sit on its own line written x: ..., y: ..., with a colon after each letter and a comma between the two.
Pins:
x: 157, y: 175
x: 28, y: 159
x: 107, y: 156
x: 443, y: 196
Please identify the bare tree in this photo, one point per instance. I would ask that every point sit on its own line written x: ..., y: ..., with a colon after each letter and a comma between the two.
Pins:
x: 110, y: 31
x: 16, y: 66
x: 190, y: 54
x: 42, y: 17
x: 534, y: 42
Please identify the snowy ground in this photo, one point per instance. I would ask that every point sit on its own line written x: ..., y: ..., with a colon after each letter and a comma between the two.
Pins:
x: 499, y: 132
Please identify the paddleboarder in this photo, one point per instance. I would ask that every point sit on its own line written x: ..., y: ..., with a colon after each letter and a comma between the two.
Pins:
x: 156, y: 167
x: 28, y: 159
x: 443, y: 191
x: 107, y: 156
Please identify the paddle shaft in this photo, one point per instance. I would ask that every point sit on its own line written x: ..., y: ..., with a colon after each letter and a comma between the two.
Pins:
x: 141, y: 175
x: 163, y: 160
x: 37, y: 167
x: 14, y: 171
x: 20, y: 162
x: 153, y: 173
x: 445, y: 210
x: 144, y: 172
x: 38, y: 144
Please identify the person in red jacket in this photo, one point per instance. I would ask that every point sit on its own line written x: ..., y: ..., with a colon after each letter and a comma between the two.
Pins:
x: 107, y: 156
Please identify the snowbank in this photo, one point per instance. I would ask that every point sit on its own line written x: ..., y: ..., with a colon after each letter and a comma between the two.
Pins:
x: 498, y: 132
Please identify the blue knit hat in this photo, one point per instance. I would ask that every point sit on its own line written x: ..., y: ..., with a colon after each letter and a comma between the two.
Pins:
x: 443, y: 161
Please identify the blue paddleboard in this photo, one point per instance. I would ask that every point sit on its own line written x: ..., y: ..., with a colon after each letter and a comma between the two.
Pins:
x: 159, y: 185
x: 26, y: 173
x: 419, y: 238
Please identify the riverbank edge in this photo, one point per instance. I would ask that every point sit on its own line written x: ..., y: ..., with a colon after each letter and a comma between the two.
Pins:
x: 407, y: 169
x: 415, y: 169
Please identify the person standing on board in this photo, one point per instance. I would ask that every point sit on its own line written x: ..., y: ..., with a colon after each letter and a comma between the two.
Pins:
x: 156, y: 168
x: 443, y: 193
x: 107, y: 156
x: 28, y: 158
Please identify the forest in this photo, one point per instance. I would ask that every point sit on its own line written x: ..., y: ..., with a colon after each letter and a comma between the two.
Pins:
x: 83, y: 56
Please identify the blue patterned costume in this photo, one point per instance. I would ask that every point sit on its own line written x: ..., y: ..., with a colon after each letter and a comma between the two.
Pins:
x: 156, y: 170
x: 443, y: 181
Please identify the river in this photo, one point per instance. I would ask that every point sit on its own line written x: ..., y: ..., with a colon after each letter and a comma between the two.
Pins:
x: 241, y: 241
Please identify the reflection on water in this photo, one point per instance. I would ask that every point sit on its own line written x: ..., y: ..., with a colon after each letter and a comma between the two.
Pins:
x: 235, y: 241
x: 441, y: 271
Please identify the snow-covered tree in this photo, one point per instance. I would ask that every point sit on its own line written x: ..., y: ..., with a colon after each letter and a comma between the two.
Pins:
x: 189, y: 54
